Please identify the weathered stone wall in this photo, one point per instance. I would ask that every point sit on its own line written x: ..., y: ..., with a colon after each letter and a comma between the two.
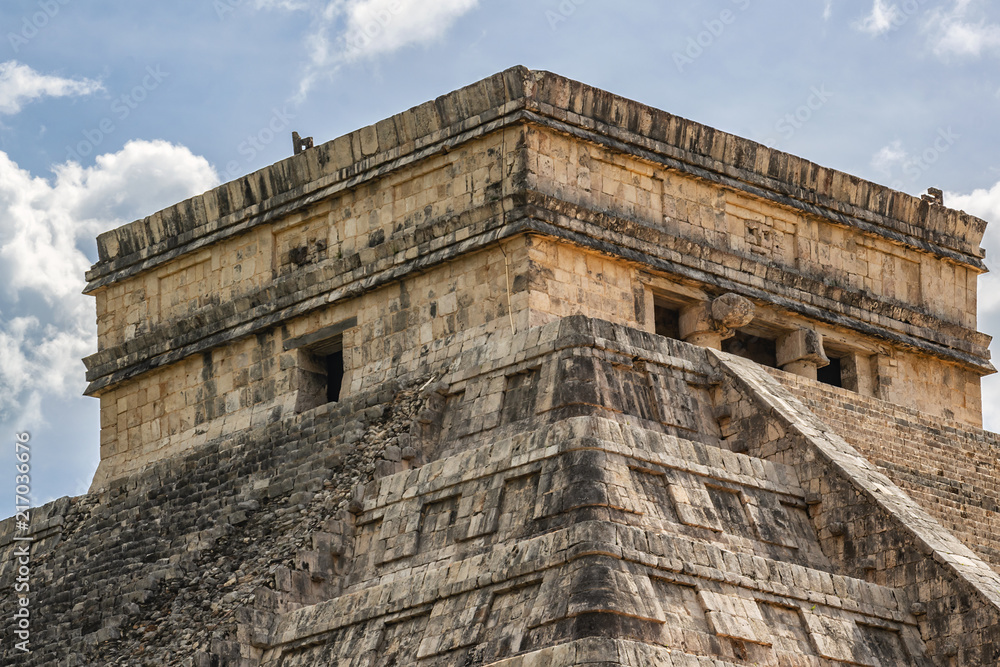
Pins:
x: 951, y: 469
x: 867, y: 526
x: 800, y: 259
x: 633, y: 205
x: 563, y: 493
x: 356, y: 227
x: 254, y: 380
x: 750, y: 228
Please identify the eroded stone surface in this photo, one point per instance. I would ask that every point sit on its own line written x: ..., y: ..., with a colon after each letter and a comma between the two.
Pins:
x: 415, y: 397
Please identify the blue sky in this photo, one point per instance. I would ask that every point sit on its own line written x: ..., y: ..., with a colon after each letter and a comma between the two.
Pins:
x: 110, y: 111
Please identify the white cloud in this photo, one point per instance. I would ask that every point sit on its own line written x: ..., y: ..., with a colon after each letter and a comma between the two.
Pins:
x: 888, y: 157
x: 967, y: 39
x: 375, y: 27
x: 956, y: 33
x: 985, y: 204
x: 46, y: 324
x: 346, y: 31
x: 881, y: 18
x: 827, y: 10
x: 19, y: 84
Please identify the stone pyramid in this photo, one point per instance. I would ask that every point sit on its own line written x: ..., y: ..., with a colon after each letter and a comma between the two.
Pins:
x: 530, y: 375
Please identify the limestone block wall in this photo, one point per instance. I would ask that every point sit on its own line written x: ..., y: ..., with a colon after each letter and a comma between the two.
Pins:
x: 573, y: 200
x: 569, y: 492
x: 802, y: 256
x: 352, y: 228
x: 768, y: 421
x: 749, y: 227
x: 952, y: 470
x: 564, y: 279
x: 255, y: 380
x: 943, y: 390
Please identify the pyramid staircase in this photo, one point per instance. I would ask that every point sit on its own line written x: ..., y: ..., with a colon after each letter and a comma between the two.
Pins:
x: 594, y: 494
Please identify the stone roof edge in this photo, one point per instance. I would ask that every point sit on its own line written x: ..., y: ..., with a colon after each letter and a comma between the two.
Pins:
x: 121, y: 362
x: 304, y: 178
x: 423, y: 128
x: 936, y: 541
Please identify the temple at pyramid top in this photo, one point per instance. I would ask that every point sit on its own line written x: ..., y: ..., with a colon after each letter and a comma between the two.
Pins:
x: 506, y: 204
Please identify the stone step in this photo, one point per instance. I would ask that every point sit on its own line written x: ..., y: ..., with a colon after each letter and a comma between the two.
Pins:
x: 529, y: 483
x: 535, y: 538
x: 671, y: 591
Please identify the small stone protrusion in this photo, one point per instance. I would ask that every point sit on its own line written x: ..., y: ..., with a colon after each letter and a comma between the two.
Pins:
x: 934, y: 196
x: 356, y: 504
x: 801, y: 353
x: 299, y: 255
x: 918, y: 609
x: 384, y: 468
x: 709, y: 323
x: 837, y: 529
x: 429, y: 416
x: 813, y: 498
x: 439, y: 387
x: 300, y: 144
x: 732, y: 311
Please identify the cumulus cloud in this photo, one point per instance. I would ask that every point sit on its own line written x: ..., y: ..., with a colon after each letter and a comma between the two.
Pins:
x: 961, y: 31
x: 347, y: 31
x: 881, y: 18
x: 985, y: 204
x: 375, y: 27
x: 19, y: 84
x: 46, y: 324
x: 889, y: 157
x: 967, y: 39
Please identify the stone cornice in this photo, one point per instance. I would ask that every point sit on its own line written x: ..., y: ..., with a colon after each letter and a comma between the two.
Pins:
x: 336, y: 280
x: 515, y: 96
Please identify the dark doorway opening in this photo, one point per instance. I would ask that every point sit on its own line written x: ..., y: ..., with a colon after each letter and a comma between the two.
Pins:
x: 831, y: 374
x: 667, y: 321
x: 334, y: 363
x: 761, y: 350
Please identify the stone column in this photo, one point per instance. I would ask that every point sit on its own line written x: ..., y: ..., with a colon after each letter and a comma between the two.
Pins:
x: 708, y: 324
x: 801, y: 352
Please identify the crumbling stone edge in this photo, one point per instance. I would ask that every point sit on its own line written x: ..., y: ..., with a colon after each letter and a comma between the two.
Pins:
x: 832, y: 469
